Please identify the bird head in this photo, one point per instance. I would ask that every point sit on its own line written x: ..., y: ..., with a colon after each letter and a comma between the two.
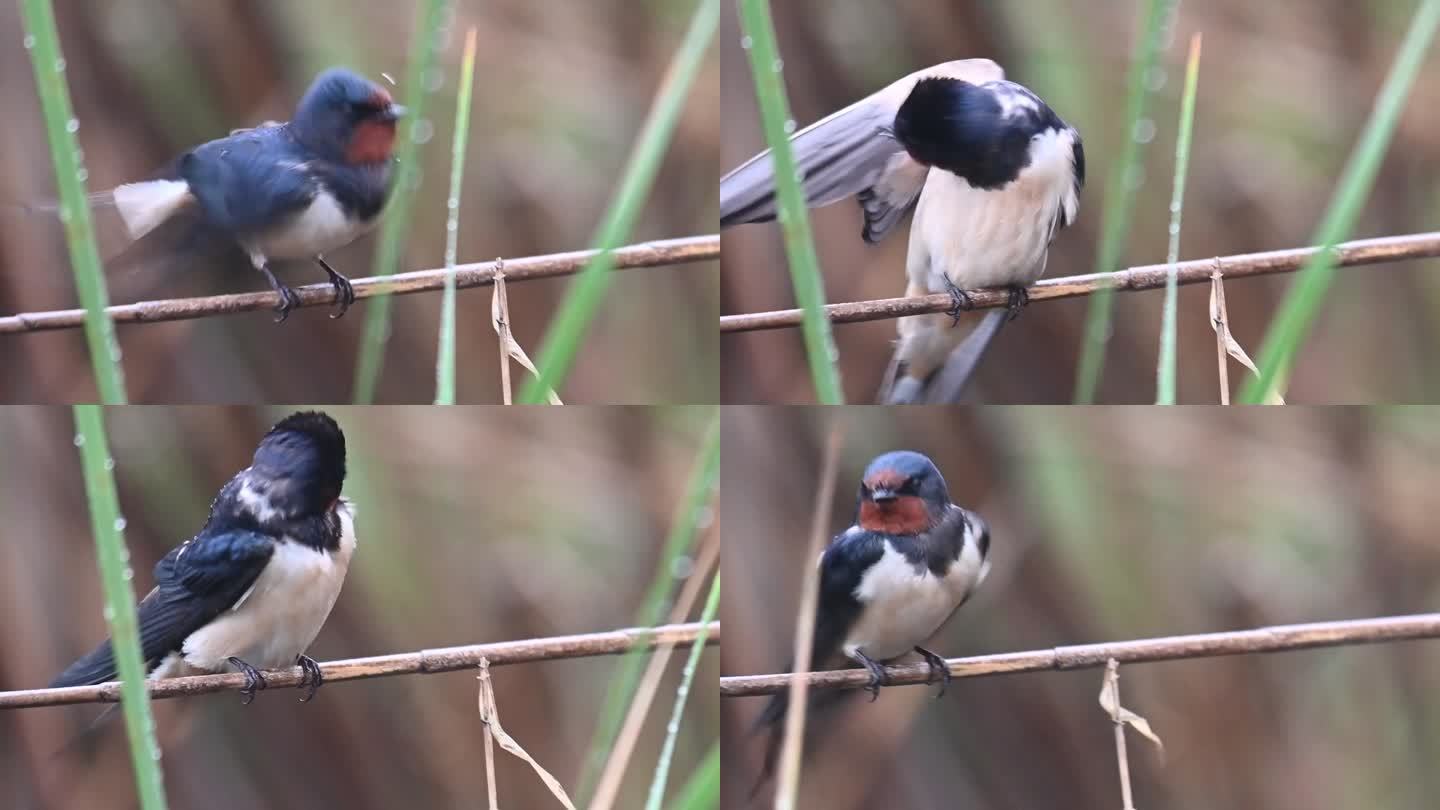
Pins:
x: 986, y: 134
x: 299, y: 466
x: 901, y: 493
x: 348, y: 118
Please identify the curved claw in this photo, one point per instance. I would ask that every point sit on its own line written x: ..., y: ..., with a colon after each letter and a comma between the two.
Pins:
x: 311, y: 676
x: 345, y: 295
x: 879, y: 676
x: 344, y: 290
x: 288, y: 301
x: 1018, y: 300
x: 959, y: 302
x: 938, y: 666
x: 254, y: 680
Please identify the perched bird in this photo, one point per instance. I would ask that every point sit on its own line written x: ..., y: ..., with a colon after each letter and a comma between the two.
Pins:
x: 252, y: 589
x: 279, y: 192
x: 992, y: 173
x: 889, y: 582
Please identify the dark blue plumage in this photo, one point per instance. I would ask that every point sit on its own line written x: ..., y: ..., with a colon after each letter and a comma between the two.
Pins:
x: 190, y: 591
x: 908, y: 544
x: 979, y: 132
x: 338, y: 98
x: 245, y: 182
x: 284, y: 510
x: 300, y: 465
x: 280, y: 192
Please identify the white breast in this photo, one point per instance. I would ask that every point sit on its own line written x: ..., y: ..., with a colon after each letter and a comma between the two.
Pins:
x: 321, y: 227
x: 282, y: 613
x: 901, y: 607
x: 994, y: 238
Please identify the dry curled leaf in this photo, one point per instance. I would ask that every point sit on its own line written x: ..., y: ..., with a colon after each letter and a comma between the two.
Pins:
x: 490, y: 716
x: 510, y: 348
x: 1219, y: 321
x: 1110, y: 702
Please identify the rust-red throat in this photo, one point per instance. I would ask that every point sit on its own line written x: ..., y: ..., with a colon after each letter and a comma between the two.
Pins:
x: 906, y: 514
x: 372, y: 141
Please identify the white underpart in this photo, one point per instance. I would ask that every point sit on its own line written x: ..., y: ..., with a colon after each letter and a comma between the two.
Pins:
x: 978, y: 238
x: 144, y: 206
x: 993, y: 238
x: 902, y: 607
x: 323, y: 226
x: 279, y: 617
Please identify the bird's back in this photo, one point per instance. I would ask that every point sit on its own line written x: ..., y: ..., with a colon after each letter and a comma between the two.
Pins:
x: 244, y: 180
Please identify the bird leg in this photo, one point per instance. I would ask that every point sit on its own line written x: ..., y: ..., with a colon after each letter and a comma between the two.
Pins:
x: 1019, y: 298
x: 937, y: 666
x: 878, y: 675
x: 344, y: 292
x: 288, y: 299
x: 959, y: 301
x: 311, y: 677
x: 253, y: 680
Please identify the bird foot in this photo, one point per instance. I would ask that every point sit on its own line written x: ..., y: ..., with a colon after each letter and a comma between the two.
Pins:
x: 344, y: 291
x: 288, y: 299
x: 311, y: 677
x: 879, y: 676
x: 960, y: 301
x: 1018, y: 300
x: 938, y: 669
x: 254, y: 681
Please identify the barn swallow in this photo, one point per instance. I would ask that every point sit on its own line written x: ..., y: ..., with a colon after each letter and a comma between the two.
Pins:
x: 992, y: 173
x: 280, y: 191
x: 252, y: 589
x: 889, y: 582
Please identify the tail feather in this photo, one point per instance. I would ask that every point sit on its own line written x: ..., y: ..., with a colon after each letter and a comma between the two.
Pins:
x: 145, y: 205
x: 773, y: 719
x: 947, y: 384
x: 152, y: 236
x: 96, y: 666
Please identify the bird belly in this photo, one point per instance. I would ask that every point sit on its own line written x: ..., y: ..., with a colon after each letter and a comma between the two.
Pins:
x: 323, y: 226
x: 978, y: 238
x: 902, y: 607
x: 281, y: 615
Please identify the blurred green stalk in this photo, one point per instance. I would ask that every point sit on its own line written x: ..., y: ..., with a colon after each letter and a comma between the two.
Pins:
x: 702, y: 790
x: 765, y: 66
x: 699, y: 495
x: 108, y: 526
x: 1165, y: 371
x: 1307, y: 293
x: 424, y: 55
x: 582, y: 299
x: 1120, y: 190
x: 42, y: 40
x: 445, y: 355
x: 672, y: 730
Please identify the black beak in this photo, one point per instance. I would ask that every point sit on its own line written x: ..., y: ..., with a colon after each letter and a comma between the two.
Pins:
x: 882, y: 495
x: 391, y: 112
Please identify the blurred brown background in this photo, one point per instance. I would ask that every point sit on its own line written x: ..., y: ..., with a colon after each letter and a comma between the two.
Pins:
x: 561, y: 89
x: 1110, y: 524
x: 475, y: 525
x: 1285, y: 88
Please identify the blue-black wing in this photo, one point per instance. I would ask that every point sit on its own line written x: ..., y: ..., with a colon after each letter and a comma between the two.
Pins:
x: 194, y: 583
x: 844, y: 564
x: 841, y: 567
x: 244, y: 182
